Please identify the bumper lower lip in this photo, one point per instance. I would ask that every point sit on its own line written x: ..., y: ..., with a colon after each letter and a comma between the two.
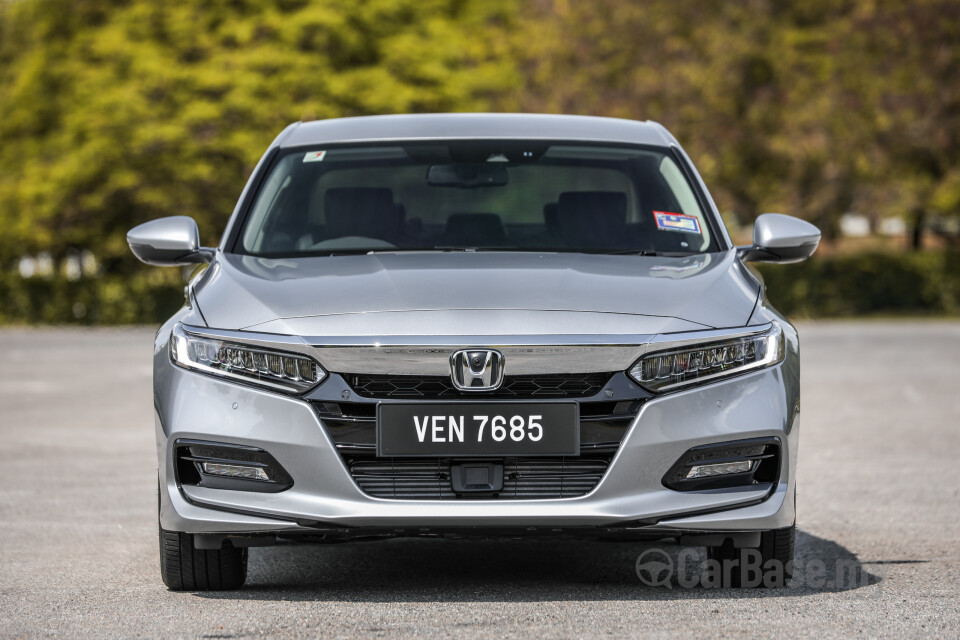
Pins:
x: 770, y: 510
x: 516, y: 513
x: 324, y: 494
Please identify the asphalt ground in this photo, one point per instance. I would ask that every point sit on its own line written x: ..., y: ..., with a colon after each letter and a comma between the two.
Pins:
x: 878, y: 526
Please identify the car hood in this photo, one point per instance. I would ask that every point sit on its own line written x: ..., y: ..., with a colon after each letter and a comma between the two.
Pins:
x: 476, y: 293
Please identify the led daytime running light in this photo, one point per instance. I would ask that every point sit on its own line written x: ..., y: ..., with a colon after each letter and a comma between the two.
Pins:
x: 721, y: 469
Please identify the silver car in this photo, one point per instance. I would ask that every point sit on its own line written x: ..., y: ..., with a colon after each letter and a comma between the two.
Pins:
x: 474, y: 325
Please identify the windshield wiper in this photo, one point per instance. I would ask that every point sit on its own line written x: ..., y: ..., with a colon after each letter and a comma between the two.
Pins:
x: 631, y: 252
x: 625, y: 252
x: 449, y: 249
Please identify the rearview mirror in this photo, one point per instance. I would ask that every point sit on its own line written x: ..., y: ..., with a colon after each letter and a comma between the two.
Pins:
x: 780, y: 238
x: 168, y: 242
x: 468, y: 176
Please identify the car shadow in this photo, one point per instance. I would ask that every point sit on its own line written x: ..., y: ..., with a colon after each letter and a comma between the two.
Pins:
x: 429, y: 570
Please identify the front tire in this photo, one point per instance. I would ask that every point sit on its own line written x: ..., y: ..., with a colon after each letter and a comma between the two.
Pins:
x: 773, y: 558
x: 183, y: 567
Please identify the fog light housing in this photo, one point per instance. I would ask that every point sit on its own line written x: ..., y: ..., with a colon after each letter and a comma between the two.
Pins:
x: 737, y: 463
x: 218, y: 465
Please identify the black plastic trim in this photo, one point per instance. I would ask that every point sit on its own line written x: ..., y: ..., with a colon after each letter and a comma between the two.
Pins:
x: 332, y: 389
x: 753, y: 253
x: 189, y: 455
x: 765, y: 472
x: 256, y: 182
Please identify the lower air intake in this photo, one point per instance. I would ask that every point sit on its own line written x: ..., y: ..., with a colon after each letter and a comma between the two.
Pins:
x: 523, y: 478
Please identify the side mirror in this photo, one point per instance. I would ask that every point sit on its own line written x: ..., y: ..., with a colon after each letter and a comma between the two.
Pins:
x: 780, y: 238
x: 168, y: 242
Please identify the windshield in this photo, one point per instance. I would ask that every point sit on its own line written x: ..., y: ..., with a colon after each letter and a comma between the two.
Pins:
x: 476, y: 195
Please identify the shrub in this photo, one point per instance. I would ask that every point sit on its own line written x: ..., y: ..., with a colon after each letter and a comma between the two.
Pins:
x: 145, y: 298
x: 925, y: 283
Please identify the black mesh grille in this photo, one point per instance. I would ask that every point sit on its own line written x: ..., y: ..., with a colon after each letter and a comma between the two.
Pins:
x: 353, y: 425
x: 523, y: 478
x: 579, y: 385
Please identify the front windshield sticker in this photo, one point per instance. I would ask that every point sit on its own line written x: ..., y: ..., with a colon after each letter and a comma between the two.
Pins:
x: 314, y: 156
x: 676, y: 222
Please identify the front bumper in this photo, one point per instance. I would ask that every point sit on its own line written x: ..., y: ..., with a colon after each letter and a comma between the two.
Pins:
x: 631, y: 495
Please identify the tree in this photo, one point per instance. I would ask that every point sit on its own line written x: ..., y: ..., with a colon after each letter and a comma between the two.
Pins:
x: 811, y: 107
x: 907, y: 57
x: 113, y: 113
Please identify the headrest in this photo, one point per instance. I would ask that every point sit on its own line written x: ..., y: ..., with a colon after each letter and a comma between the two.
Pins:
x: 362, y: 211
x: 550, y: 215
x: 592, y: 219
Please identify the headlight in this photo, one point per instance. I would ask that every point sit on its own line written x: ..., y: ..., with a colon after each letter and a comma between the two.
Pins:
x: 682, y: 363
x: 248, y: 363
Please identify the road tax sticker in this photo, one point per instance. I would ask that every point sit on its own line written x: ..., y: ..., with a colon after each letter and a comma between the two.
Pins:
x: 676, y: 222
x: 314, y: 156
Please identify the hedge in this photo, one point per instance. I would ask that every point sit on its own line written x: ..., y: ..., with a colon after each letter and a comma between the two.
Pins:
x: 924, y: 283
x: 146, y: 298
x: 921, y: 283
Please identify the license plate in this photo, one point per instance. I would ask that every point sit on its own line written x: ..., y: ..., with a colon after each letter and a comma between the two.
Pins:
x: 478, y: 429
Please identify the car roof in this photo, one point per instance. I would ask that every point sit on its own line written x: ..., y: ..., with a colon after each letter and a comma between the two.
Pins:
x: 474, y: 125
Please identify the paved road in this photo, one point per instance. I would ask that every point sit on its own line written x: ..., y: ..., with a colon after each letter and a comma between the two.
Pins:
x: 879, y: 499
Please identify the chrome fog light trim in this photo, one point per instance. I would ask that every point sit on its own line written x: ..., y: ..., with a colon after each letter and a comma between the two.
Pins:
x: 234, y: 471
x: 722, y: 469
x: 755, y: 461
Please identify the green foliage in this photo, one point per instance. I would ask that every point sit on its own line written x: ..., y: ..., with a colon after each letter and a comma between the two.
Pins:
x: 148, y: 297
x: 113, y: 113
x: 808, y: 107
x: 926, y: 282
x: 825, y: 287
x: 116, y: 112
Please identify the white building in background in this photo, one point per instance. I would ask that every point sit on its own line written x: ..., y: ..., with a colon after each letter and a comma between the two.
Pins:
x: 71, y: 267
x: 893, y: 227
x: 76, y: 265
x: 27, y: 267
x: 854, y: 225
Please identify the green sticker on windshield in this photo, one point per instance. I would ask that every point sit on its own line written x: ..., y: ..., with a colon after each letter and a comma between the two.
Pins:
x: 314, y: 156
